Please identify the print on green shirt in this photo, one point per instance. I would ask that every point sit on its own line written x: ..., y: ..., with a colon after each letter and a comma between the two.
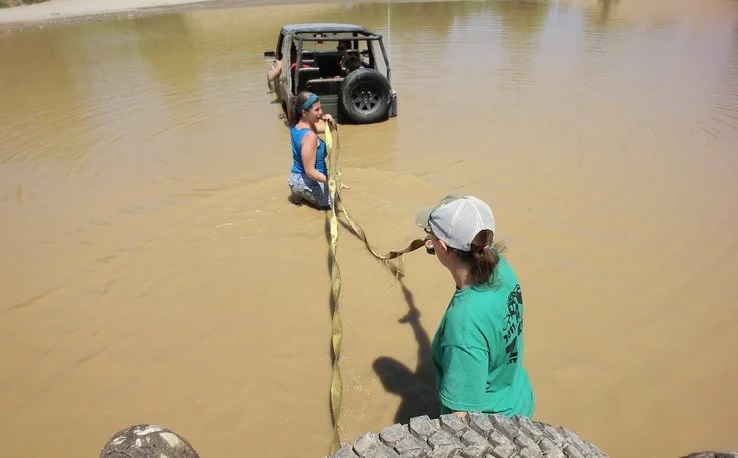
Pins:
x: 513, y: 324
x: 478, y: 349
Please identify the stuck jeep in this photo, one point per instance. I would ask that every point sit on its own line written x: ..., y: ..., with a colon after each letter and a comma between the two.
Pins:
x: 345, y: 65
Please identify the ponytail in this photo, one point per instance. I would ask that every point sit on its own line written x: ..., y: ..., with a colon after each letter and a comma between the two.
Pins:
x: 482, y: 258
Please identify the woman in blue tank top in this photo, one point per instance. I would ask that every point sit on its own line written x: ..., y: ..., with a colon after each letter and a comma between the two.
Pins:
x: 308, y: 179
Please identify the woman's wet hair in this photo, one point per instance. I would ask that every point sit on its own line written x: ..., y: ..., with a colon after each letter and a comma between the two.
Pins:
x: 300, y: 100
x: 482, y: 258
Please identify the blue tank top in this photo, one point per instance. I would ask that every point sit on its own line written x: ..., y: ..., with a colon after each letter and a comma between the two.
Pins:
x: 297, y: 165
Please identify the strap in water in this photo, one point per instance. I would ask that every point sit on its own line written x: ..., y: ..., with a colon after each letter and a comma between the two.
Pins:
x: 335, y: 178
x: 334, y: 185
x: 337, y: 326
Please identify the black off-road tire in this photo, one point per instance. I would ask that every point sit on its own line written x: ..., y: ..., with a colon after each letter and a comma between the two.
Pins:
x: 476, y: 436
x: 365, y: 97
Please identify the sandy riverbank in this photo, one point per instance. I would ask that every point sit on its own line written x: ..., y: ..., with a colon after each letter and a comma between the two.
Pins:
x: 66, y: 10
x: 61, y: 11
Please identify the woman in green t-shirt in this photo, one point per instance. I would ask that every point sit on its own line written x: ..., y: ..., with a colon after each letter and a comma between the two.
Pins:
x: 478, y: 347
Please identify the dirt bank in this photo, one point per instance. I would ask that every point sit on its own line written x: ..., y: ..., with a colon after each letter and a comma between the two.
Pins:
x: 61, y: 11
x: 66, y: 10
x: 11, y: 3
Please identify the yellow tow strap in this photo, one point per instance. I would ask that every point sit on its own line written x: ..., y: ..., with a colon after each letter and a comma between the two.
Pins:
x: 334, y: 186
x: 337, y: 331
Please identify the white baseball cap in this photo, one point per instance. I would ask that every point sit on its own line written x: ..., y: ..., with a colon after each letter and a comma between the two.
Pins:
x: 457, y: 220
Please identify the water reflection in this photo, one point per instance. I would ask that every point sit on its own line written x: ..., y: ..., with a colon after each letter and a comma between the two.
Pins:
x: 521, y: 19
x: 170, y: 49
x: 724, y: 106
x: 522, y: 24
x: 44, y: 93
x: 605, y: 9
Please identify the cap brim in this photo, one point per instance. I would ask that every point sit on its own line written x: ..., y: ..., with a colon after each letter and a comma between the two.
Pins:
x: 423, y: 216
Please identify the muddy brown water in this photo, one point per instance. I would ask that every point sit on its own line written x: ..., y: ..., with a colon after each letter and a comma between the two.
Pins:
x: 153, y: 270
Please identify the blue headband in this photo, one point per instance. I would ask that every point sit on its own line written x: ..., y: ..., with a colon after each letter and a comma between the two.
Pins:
x: 311, y: 100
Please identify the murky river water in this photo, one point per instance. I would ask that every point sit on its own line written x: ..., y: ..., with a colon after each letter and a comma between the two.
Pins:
x: 153, y: 270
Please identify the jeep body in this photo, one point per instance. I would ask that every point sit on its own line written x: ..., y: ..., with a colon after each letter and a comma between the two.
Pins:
x: 361, y: 96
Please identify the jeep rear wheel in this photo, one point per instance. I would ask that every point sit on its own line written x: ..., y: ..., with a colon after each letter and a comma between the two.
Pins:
x: 365, y: 96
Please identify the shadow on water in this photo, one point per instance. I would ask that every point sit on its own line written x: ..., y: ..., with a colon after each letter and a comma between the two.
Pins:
x: 415, y: 388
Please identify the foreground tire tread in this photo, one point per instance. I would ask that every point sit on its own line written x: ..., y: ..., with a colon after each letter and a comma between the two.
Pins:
x: 475, y: 436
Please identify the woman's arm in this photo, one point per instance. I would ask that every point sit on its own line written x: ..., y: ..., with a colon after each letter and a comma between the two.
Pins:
x: 308, y: 152
x: 275, y: 72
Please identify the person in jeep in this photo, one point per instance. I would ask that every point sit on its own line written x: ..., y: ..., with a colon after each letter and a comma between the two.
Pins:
x: 342, y: 47
x: 352, y: 63
x: 349, y: 62
x: 274, y: 73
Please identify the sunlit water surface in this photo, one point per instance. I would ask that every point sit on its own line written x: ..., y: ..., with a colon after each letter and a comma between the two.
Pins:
x: 153, y: 271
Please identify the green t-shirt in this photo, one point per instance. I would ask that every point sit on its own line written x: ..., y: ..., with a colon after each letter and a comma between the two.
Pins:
x: 478, y: 349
